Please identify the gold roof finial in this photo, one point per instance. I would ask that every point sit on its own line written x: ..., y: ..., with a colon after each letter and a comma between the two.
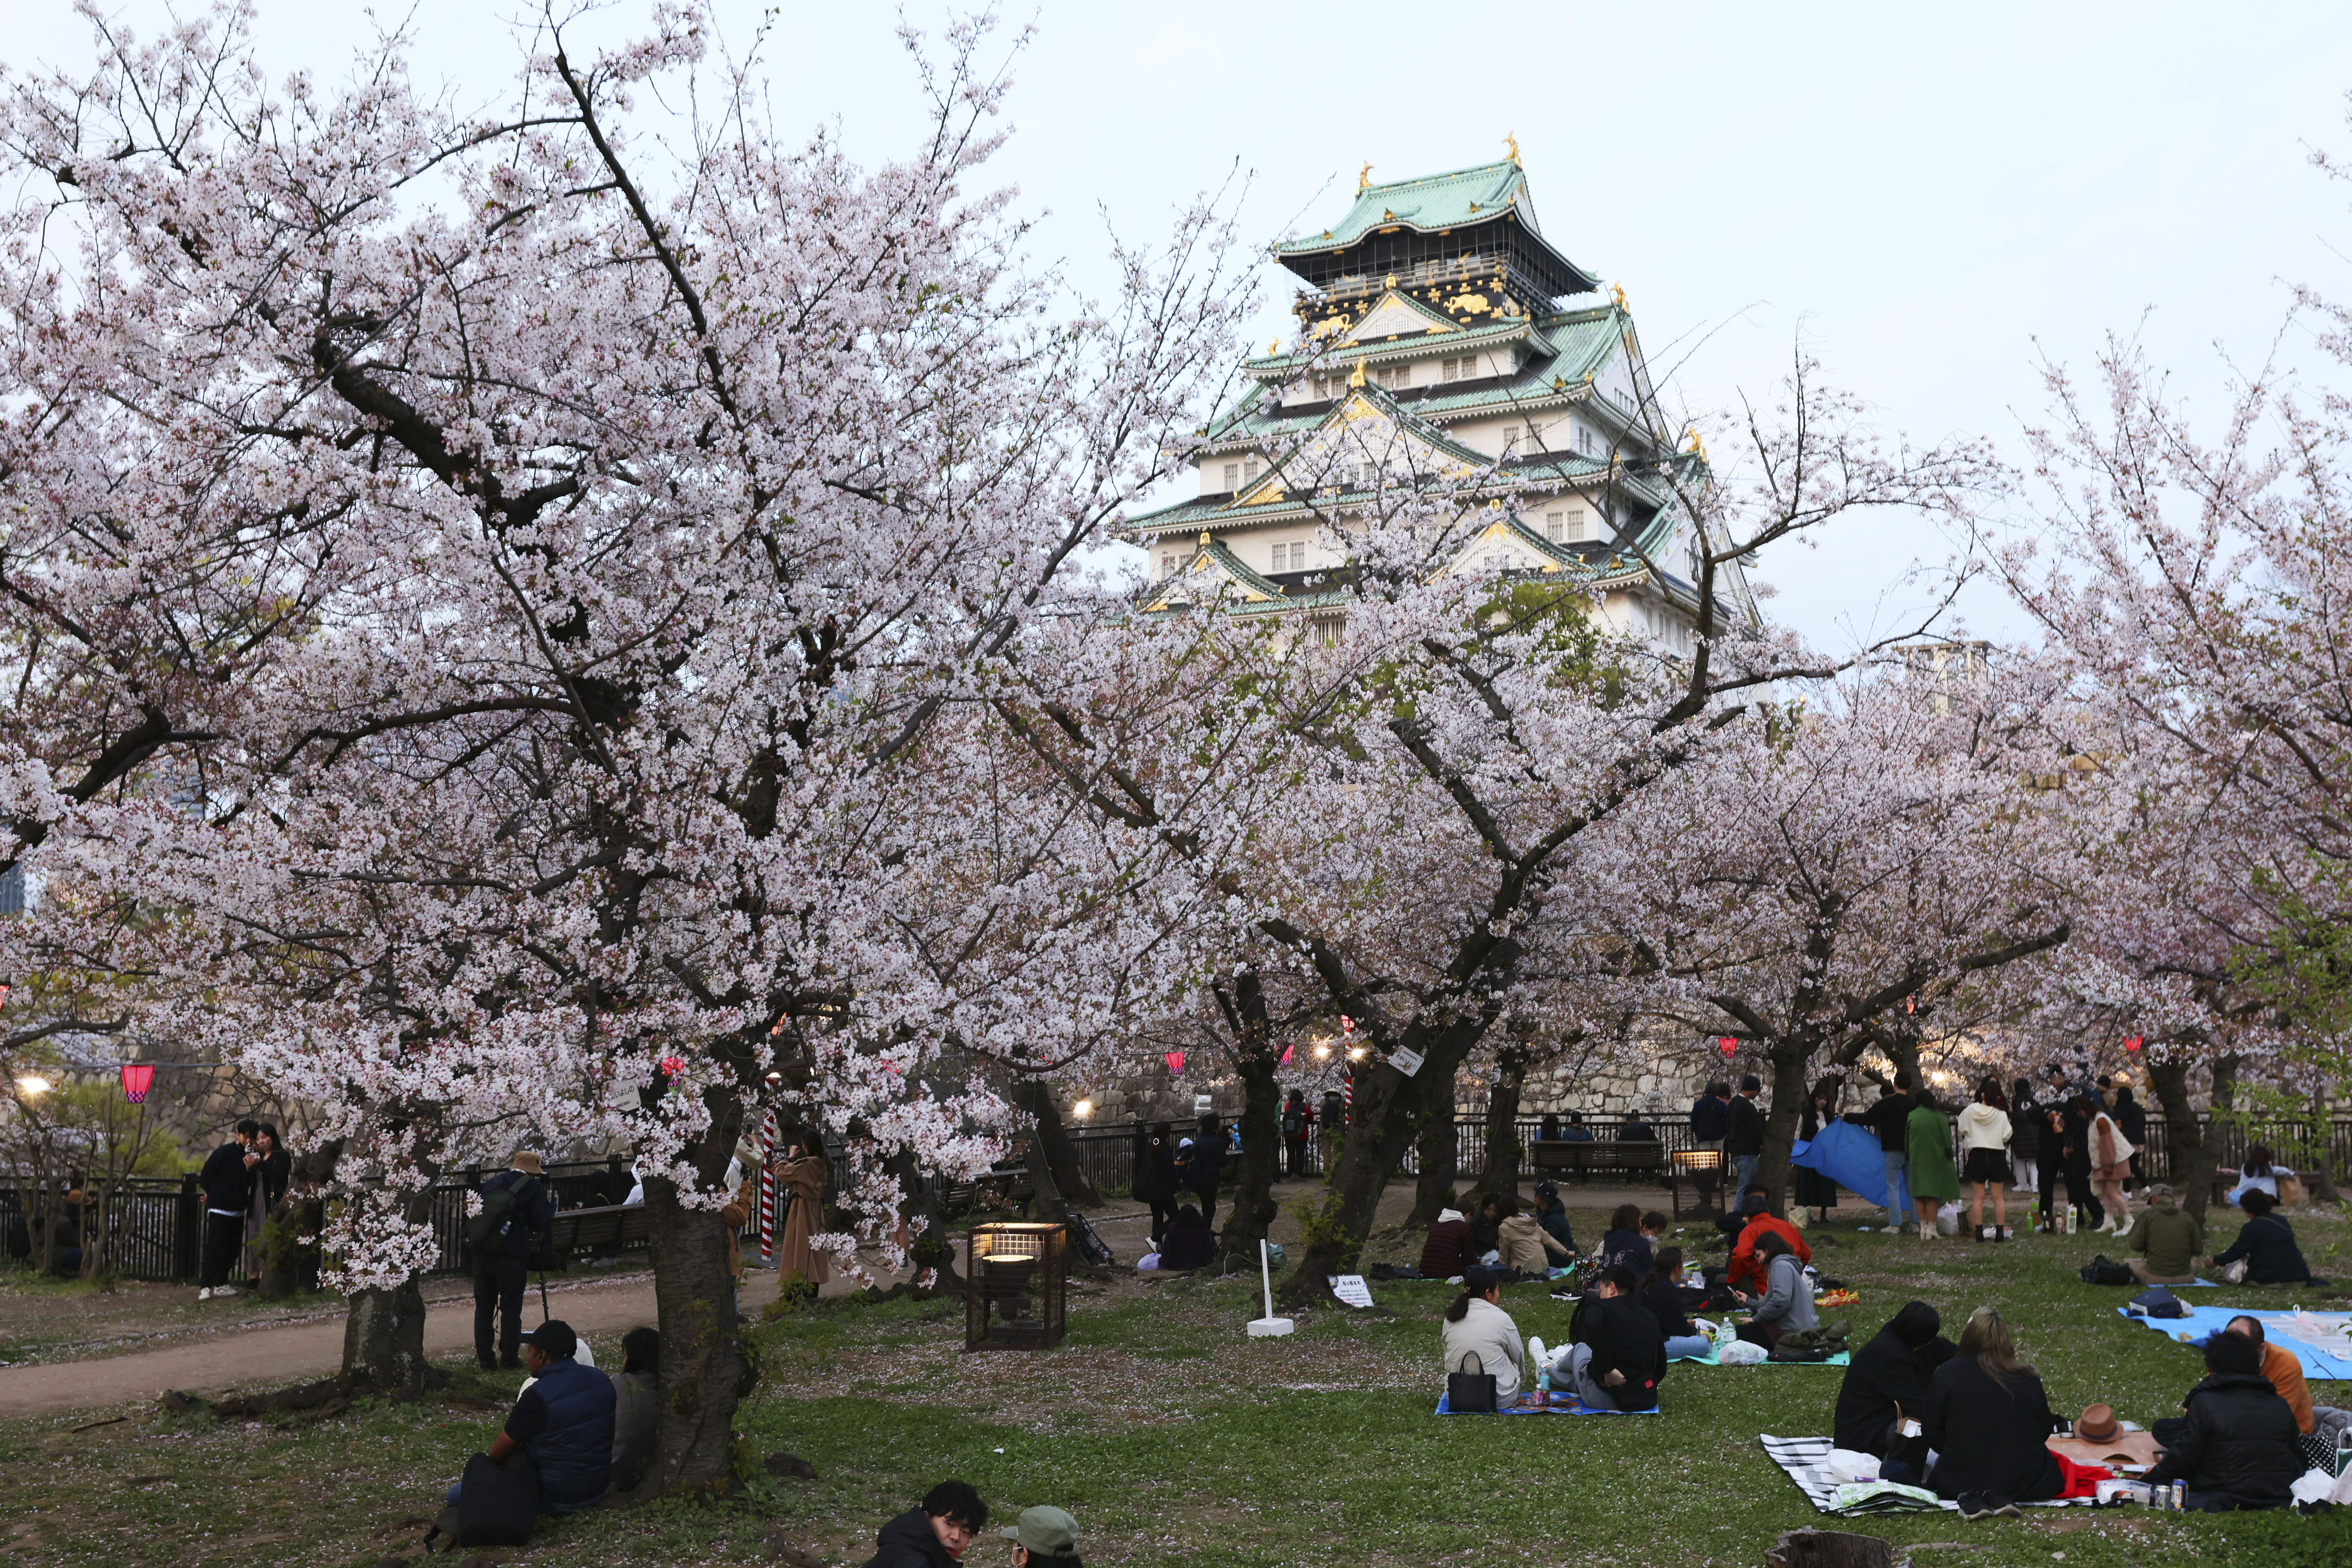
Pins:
x: 1514, y: 140
x: 1617, y: 292
x: 1697, y: 447
x: 1204, y: 540
x: 1274, y: 347
x: 1356, y: 377
x: 1364, y: 177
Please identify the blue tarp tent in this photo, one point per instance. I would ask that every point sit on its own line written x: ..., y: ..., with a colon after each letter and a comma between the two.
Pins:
x: 1850, y: 1157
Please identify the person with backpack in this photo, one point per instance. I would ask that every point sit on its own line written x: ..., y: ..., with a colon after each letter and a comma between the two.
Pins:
x: 515, y: 1207
x: 1297, y: 1123
x: 560, y: 1425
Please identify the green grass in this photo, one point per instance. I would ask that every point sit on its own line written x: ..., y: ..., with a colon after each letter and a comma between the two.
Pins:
x: 1174, y: 1439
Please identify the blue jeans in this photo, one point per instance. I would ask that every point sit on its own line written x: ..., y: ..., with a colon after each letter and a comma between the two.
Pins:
x: 1743, y: 1171
x: 1694, y: 1345
x: 1896, y: 1217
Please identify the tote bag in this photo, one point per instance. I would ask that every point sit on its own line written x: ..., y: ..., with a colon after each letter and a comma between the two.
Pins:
x: 1470, y: 1393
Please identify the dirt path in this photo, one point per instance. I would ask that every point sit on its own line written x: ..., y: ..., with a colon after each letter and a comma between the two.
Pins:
x: 290, y: 1353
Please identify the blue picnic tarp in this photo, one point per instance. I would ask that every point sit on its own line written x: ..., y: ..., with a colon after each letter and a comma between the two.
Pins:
x: 1850, y: 1157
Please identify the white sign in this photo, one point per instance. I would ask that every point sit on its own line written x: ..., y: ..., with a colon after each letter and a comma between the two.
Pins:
x: 1351, y: 1289
x: 1405, y: 1061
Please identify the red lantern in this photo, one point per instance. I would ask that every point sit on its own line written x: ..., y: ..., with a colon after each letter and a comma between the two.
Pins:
x: 2132, y: 1044
x: 1729, y: 1045
x: 136, y: 1077
x: 1175, y: 1060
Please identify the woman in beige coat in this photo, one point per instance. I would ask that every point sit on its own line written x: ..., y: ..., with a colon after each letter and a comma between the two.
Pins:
x: 800, y: 1184
x: 1523, y: 1243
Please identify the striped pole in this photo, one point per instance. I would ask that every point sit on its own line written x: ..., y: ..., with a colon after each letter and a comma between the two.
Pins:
x: 768, y: 1191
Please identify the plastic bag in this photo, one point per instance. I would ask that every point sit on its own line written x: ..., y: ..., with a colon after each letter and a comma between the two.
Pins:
x: 1739, y: 1353
x: 1148, y: 1261
x: 1948, y: 1219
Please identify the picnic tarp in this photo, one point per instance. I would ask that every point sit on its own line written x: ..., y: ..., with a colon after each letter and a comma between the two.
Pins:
x: 1805, y: 1460
x: 1577, y: 1410
x: 1850, y: 1157
x: 2316, y: 1339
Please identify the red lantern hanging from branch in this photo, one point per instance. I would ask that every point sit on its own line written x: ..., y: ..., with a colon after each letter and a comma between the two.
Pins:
x: 1729, y: 1045
x: 137, y: 1078
x: 2133, y: 1043
x: 1175, y: 1060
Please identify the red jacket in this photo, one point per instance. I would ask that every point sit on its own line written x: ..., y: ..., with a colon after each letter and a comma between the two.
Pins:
x: 1747, y: 1274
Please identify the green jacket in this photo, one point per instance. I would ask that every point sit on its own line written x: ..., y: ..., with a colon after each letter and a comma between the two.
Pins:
x: 1928, y: 1151
x: 2171, y: 1237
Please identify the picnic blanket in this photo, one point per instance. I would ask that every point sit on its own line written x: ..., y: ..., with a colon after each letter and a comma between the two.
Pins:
x: 2316, y: 1339
x: 1805, y: 1460
x: 1850, y: 1157
x: 1841, y: 1358
x: 1579, y: 1409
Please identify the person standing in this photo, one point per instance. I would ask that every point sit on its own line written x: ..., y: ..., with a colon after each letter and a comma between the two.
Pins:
x: 2111, y: 1154
x: 1155, y: 1177
x: 1710, y: 1117
x: 2074, y: 1143
x: 1201, y: 1154
x: 1743, y: 1137
x: 2132, y: 1117
x: 1927, y: 1161
x: 1297, y: 1125
x: 1332, y: 1120
x: 1985, y: 1134
x: 1816, y: 1193
x: 501, y: 1260
x: 270, y: 1177
x: 2024, y: 1142
x: 227, y: 1183
x: 1891, y: 1120
x: 801, y: 1179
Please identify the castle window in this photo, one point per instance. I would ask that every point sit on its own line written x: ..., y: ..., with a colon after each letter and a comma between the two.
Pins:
x: 1469, y: 366
x: 1249, y: 470
x: 1167, y: 565
x: 1233, y: 476
x: 1565, y: 526
x: 1290, y: 558
x: 1445, y: 370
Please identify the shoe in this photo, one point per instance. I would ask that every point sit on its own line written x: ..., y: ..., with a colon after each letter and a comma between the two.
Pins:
x: 2004, y: 1233
x: 205, y: 1294
x: 220, y: 1291
x: 1994, y: 1503
x: 1972, y: 1505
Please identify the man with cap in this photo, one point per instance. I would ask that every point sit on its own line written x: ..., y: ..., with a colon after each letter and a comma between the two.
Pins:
x: 564, y: 1420
x: 501, y: 1266
x: 1743, y: 1140
x: 1045, y: 1537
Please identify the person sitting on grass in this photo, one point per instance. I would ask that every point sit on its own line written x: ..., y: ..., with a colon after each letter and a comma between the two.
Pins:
x: 1625, y: 1243
x: 2238, y: 1446
x: 1986, y: 1416
x: 1447, y: 1252
x: 1044, y: 1538
x: 935, y: 1531
x: 564, y: 1420
x: 1522, y: 1244
x: 1887, y: 1387
x: 1189, y: 1243
x: 1478, y: 1335
x: 1786, y: 1306
x: 1747, y: 1270
x: 1552, y: 1214
x: 1485, y: 1231
x: 1661, y: 1290
x: 2266, y: 1242
x: 2169, y: 1237
x: 1654, y: 1226
x: 1617, y: 1355
x: 2279, y: 1367
x: 637, y: 1408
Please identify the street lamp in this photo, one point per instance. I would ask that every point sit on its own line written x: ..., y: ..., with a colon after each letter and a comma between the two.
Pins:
x: 1083, y: 1109
x: 34, y: 1084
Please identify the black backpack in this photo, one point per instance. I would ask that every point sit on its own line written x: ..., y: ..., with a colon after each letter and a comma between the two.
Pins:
x: 1294, y: 1120
x: 2104, y: 1271
x: 499, y: 1206
x: 497, y: 1504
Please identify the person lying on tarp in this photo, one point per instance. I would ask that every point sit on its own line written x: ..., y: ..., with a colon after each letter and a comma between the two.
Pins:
x: 2238, y: 1446
x: 1885, y: 1389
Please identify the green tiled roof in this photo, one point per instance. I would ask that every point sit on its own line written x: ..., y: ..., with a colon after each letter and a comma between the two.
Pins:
x: 1433, y: 202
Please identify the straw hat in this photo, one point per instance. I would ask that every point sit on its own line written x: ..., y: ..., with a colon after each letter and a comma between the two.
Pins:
x: 525, y: 1160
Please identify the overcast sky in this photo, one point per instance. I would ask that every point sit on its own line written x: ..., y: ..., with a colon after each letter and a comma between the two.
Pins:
x: 1931, y: 201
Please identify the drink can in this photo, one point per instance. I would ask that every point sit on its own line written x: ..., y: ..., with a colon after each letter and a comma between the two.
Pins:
x: 2179, y: 1498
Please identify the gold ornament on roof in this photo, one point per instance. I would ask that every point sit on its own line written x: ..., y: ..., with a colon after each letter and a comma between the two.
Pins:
x: 1697, y: 448
x: 1204, y: 540
x: 1514, y: 141
x: 1356, y: 377
x: 1617, y: 292
x: 1365, y: 177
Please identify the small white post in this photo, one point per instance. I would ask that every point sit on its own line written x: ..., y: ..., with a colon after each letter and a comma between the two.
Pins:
x: 1268, y: 1327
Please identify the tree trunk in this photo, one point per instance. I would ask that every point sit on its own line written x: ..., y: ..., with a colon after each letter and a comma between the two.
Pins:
x: 1439, y: 1144
x: 1381, y: 1131
x: 933, y: 1247
x: 1790, y: 1097
x: 1254, y: 1208
x: 384, y: 1340
x: 703, y: 1371
x: 2190, y: 1151
x: 2323, y: 1147
x: 1501, y: 1169
x: 1058, y: 1155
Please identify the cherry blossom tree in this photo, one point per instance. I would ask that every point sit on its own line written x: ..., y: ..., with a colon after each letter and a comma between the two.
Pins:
x: 523, y: 592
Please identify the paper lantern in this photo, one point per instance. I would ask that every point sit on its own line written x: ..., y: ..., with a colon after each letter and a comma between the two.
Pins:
x: 2132, y: 1044
x: 137, y: 1076
x: 1175, y: 1060
x: 1729, y: 1045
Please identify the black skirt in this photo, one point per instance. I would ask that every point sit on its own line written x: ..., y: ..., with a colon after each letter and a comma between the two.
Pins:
x: 1815, y: 1190
x: 1986, y: 1165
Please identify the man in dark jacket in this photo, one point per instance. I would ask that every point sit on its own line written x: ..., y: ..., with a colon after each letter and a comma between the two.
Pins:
x: 1743, y: 1139
x: 1710, y: 1118
x: 2238, y: 1446
x: 1887, y: 1384
x: 1618, y: 1354
x: 1297, y: 1126
x: 502, y: 1266
x: 1201, y: 1163
x: 1447, y: 1251
x: 1891, y: 1120
x: 933, y: 1533
x: 227, y: 1182
x: 1552, y: 1214
x: 564, y: 1421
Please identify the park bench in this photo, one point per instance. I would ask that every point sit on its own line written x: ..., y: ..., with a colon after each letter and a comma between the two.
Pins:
x: 610, y: 1228
x: 1584, y: 1158
x: 997, y: 1191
